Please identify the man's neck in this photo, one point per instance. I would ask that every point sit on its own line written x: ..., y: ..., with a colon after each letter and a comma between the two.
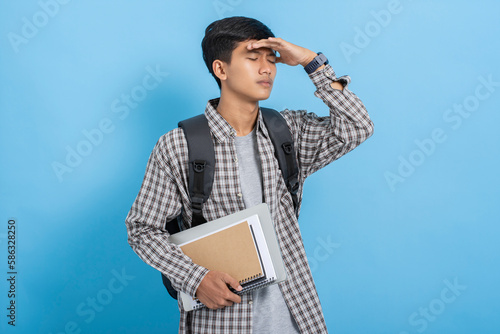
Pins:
x: 240, y: 114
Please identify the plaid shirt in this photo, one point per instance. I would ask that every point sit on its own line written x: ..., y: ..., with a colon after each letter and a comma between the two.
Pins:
x: 164, y: 195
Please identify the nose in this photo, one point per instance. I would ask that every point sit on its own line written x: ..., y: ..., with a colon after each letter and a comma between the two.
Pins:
x: 265, y: 66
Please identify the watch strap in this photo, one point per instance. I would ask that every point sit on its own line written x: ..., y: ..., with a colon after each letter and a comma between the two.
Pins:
x: 319, y: 60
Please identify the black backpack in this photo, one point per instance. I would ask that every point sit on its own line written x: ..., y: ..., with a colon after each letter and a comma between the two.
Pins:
x: 202, y: 166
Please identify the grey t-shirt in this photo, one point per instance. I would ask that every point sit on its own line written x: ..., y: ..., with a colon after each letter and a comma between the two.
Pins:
x: 270, y: 312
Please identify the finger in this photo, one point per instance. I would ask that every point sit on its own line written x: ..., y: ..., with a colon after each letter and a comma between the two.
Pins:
x: 222, y: 301
x: 215, y: 306
x: 233, y: 298
x: 267, y: 40
x: 232, y: 282
x: 229, y: 302
x: 264, y: 43
x: 223, y: 304
x: 270, y: 45
x: 277, y: 42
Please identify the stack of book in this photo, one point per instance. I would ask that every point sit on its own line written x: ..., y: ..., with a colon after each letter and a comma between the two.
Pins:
x: 243, y: 245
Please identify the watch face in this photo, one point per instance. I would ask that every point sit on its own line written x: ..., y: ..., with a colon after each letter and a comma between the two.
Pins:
x: 322, y: 59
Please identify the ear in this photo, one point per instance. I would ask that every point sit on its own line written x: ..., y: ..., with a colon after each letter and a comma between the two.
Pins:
x: 219, y: 68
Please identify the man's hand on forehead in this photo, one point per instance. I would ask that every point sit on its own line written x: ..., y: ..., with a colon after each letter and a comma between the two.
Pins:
x: 289, y: 54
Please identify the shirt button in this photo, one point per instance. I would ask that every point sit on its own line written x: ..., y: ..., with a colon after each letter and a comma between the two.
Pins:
x: 240, y: 195
x: 235, y: 159
x: 250, y: 302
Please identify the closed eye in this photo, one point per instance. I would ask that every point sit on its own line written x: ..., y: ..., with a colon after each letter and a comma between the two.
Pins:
x: 271, y: 61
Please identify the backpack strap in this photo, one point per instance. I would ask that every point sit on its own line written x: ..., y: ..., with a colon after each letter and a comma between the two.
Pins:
x: 201, y: 160
x: 284, y: 151
x: 201, y: 163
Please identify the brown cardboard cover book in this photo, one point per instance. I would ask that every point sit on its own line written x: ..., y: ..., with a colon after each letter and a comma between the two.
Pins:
x: 231, y: 250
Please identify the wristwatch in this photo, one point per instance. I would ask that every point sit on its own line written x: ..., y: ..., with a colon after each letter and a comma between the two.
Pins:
x: 319, y: 60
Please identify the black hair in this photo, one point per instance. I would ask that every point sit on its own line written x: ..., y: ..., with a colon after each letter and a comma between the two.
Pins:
x: 222, y: 36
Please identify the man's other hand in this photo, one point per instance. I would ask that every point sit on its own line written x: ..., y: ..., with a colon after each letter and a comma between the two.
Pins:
x: 214, y: 292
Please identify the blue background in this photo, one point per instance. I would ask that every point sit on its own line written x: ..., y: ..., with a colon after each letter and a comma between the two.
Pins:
x: 383, y: 254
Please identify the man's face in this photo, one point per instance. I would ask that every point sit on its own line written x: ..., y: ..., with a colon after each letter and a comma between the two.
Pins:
x: 251, y: 73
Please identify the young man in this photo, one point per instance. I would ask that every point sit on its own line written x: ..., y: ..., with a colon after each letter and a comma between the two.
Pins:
x: 240, y: 54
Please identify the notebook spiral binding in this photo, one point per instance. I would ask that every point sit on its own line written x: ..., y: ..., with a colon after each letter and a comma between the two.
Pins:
x: 256, y: 286
x: 251, y: 278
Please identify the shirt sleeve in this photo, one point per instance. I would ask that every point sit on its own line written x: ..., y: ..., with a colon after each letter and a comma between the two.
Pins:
x: 159, y: 201
x: 321, y: 140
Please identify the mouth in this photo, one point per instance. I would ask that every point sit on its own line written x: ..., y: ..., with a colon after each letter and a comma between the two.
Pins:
x: 265, y: 83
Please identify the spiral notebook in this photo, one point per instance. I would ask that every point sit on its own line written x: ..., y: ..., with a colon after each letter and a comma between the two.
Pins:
x: 231, y: 250
x: 243, y: 244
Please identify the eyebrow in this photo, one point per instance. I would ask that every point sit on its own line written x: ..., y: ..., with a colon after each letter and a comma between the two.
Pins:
x: 271, y: 53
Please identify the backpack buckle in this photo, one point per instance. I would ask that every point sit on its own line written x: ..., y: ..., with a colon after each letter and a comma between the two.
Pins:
x: 287, y: 147
x: 197, y: 204
x: 293, y: 184
x: 199, y: 166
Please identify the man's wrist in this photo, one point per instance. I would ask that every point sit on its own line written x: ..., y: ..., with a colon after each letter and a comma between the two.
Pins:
x: 317, y: 63
x: 309, y: 59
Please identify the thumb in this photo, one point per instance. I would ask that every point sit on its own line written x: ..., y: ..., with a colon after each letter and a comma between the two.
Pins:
x: 232, y: 282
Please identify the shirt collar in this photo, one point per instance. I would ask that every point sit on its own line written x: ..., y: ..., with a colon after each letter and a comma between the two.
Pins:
x: 221, y: 129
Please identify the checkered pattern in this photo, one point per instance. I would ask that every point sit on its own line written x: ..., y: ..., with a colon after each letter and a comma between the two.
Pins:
x: 164, y: 195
